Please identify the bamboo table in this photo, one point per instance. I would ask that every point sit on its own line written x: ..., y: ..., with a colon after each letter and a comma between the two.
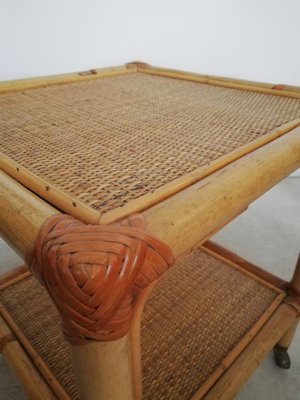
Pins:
x: 109, y: 177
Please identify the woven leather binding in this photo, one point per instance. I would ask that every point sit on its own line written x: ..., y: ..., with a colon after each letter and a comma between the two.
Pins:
x: 94, y: 273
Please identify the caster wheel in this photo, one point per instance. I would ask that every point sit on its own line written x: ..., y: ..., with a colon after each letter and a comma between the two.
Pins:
x: 282, y: 357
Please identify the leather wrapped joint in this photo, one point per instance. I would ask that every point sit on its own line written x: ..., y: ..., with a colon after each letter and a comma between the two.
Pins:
x: 94, y: 273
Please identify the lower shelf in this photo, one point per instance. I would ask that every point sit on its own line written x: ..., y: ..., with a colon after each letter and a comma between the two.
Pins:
x: 201, y: 315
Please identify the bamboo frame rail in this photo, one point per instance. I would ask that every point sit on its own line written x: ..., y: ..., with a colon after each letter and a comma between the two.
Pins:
x: 295, y: 282
x: 13, y: 276
x: 182, y: 221
x: 228, y: 385
x: 260, y: 87
x: 138, y: 66
x: 212, y: 202
x: 179, y: 184
x: 293, y: 289
x: 74, y: 206
x: 286, y: 340
x: 96, y: 73
x: 195, y: 214
x: 23, y: 209
x: 228, y: 255
x: 21, y: 365
x: 141, y: 66
x: 37, y: 361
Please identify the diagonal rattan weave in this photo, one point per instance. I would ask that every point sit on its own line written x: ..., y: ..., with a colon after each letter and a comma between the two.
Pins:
x: 205, y: 307
x: 112, y: 140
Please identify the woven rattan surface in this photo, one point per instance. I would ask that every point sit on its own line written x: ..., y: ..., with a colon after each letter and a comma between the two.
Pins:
x: 111, y: 140
x: 197, y: 314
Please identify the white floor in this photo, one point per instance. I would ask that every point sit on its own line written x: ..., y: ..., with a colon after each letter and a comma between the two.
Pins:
x: 268, y: 234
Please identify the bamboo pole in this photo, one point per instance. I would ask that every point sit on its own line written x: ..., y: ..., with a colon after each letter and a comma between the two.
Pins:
x: 135, y: 340
x: 12, y: 274
x: 51, y: 194
x: 286, y: 340
x: 22, y: 215
x: 228, y: 255
x: 141, y: 66
x: 131, y: 67
x: 232, y: 356
x: 259, y: 87
x: 31, y: 83
x: 169, y: 189
x: 246, y: 268
x: 79, y: 210
x: 18, y: 361
x: 14, y: 280
x: 35, y: 359
x: 295, y: 282
x: 97, y: 366
x: 195, y: 213
x: 103, y: 370
x: 234, y: 378
x: 294, y: 288
x: 182, y: 221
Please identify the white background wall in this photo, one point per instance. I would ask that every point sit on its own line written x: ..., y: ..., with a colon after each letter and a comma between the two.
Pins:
x: 251, y: 39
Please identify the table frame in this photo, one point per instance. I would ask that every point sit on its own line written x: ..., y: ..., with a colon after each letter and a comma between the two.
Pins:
x: 183, y: 215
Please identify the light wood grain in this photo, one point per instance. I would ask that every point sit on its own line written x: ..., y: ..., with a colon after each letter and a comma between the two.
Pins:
x: 79, y: 210
x: 259, y: 87
x: 295, y: 282
x: 234, y: 378
x: 246, y: 265
x: 287, y: 339
x: 14, y: 280
x: 59, y: 199
x: 135, y: 340
x: 20, y: 364
x: 294, y: 289
x: 231, y: 358
x: 103, y: 370
x: 197, y: 212
x: 31, y: 83
x: 33, y: 357
x: 12, y: 274
x: 182, y: 221
x: 21, y: 215
x: 150, y: 199
x: 140, y: 66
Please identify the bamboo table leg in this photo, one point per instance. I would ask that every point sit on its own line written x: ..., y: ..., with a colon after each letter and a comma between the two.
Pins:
x: 103, y: 370
x: 281, y: 355
x: 95, y: 276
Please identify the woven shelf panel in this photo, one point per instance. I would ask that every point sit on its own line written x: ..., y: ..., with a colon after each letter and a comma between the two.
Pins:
x: 33, y: 311
x: 201, y: 309
x: 112, y: 140
x: 196, y: 315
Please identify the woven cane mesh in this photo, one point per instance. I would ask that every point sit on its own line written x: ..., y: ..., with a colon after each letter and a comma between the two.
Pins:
x: 33, y: 311
x: 111, y: 140
x: 196, y: 315
x: 199, y: 312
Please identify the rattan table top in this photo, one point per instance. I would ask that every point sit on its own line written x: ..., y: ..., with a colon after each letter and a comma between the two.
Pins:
x: 108, y: 141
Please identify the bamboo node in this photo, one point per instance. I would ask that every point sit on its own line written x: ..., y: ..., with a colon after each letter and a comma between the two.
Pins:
x: 94, y: 273
x: 293, y: 301
x: 89, y: 72
x: 5, y: 340
x: 279, y: 87
x: 136, y: 64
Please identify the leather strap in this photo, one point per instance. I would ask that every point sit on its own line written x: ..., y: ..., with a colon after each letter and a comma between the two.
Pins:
x: 94, y: 273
